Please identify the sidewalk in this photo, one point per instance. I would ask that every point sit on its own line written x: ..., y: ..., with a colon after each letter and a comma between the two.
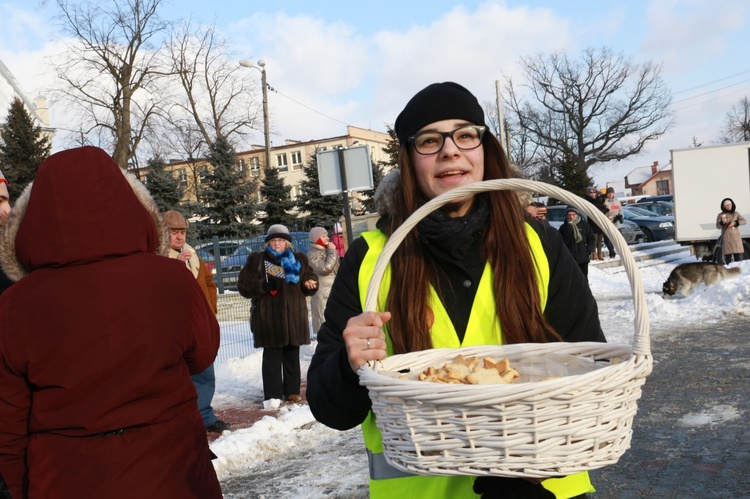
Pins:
x: 691, y: 435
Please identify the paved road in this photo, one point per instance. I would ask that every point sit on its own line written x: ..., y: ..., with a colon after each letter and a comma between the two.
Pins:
x: 691, y: 434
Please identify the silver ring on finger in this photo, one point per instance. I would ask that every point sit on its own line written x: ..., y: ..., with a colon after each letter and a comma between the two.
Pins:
x: 368, y: 344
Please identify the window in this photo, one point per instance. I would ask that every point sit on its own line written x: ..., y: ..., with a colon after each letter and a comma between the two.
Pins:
x: 255, y: 164
x: 296, y: 160
x: 202, y: 172
x: 242, y: 167
x: 662, y: 186
x: 182, y: 177
x: 281, y: 162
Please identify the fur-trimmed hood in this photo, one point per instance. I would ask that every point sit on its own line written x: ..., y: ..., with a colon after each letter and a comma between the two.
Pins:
x: 732, y: 209
x: 385, y: 194
x: 81, y: 208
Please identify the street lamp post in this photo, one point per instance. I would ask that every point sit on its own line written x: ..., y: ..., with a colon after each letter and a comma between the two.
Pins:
x: 249, y: 64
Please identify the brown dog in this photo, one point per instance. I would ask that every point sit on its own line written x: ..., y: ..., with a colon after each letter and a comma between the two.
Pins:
x: 688, y: 275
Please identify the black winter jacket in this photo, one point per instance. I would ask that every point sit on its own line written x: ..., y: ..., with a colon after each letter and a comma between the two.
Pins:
x: 581, y: 251
x: 333, y: 390
x: 279, y: 318
x: 601, y: 206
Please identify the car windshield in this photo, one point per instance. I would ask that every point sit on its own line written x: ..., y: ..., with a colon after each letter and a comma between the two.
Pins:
x: 663, y: 208
x: 640, y: 212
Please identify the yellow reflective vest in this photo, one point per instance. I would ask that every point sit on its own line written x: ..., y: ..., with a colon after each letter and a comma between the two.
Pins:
x: 483, y: 329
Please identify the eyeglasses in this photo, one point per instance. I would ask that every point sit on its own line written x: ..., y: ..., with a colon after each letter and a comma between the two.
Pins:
x: 432, y: 142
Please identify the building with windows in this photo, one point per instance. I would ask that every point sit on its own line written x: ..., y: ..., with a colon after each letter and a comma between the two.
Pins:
x: 288, y: 158
x: 650, y: 180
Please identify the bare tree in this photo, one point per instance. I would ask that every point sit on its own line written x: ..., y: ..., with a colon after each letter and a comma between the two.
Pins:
x: 737, y: 124
x: 216, y: 99
x: 109, y: 72
x: 577, y: 113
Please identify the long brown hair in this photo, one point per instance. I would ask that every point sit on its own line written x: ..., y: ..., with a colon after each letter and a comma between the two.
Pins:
x: 504, y: 243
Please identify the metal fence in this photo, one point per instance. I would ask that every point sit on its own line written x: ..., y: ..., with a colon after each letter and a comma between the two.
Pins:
x: 234, y: 319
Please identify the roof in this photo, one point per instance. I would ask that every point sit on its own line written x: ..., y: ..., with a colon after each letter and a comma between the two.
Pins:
x: 643, y: 174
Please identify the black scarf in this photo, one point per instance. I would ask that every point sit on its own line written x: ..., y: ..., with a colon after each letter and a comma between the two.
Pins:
x: 454, y: 236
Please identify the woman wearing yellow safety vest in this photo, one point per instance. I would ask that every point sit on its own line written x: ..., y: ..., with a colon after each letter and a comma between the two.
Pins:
x: 475, y: 272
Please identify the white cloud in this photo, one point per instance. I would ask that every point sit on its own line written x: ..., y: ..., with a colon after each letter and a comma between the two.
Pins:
x: 365, y: 81
x: 686, y: 33
x: 343, y: 67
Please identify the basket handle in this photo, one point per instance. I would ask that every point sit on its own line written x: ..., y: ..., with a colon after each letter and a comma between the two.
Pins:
x: 641, y: 340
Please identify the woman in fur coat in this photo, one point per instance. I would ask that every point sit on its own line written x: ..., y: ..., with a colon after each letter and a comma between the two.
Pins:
x: 279, y: 280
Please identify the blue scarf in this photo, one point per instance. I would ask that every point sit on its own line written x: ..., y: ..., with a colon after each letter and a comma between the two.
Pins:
x: 290, y: 264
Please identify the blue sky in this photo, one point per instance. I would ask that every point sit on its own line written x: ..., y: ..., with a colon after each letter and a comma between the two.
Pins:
x: 333, y: 63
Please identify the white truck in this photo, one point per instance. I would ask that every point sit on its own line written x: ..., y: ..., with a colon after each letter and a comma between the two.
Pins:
x: 702, y: 177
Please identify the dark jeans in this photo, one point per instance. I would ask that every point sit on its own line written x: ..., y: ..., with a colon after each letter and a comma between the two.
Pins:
x: 205, y: 385
x: 610, y: 246
x: 281, y: 372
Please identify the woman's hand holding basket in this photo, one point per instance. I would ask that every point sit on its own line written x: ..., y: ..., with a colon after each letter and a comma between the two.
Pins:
x: 365, y: 339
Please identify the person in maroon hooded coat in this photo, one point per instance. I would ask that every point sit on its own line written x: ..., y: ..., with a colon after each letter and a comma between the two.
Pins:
x: 98, y: 338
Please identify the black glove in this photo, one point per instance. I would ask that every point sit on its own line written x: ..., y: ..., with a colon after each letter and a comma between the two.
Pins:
x: 618, y: 218
x: 492, y: 487
x: 270, y: 285
x: 736, y: 223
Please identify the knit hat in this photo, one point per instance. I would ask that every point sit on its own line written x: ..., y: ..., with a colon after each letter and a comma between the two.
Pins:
x: 3, y: 179
x: 610, y: 189
x: 569, y: 210
x: 437, y: 102
x: 175, y: 220
x: 316, y: 233
x: 278, y: 230
x: 591, y: 188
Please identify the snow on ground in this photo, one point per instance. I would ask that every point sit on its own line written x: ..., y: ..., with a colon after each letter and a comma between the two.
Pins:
x: 239, y: 380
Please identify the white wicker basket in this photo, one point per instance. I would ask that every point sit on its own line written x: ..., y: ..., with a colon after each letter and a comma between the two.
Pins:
x: 540, y: 429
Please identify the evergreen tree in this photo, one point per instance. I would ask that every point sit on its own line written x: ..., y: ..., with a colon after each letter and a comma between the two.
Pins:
x: 24, y: 148
x: 163, y: 186
x: 324, y: 211
x: 227, y: 196
x: 278, y: 200
x: 379, y: 170
x: 571, y: 178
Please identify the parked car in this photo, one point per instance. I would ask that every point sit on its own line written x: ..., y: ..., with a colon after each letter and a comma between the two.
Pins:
x: 661, y: 197
x: 661, y: 208
x: 629, y: 230
x: 226, y: 246
x: 656, y: 228
x: 232, y: 264
x: 208, y: 259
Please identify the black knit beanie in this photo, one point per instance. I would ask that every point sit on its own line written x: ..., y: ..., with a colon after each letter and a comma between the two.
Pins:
x: 437, y: 102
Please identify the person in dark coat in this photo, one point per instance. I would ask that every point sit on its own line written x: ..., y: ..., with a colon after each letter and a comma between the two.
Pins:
x: 594, y: 197
x: 279, y: 280
x: 98, y: 338
x: 443, y: 283
x: 579, y: 238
